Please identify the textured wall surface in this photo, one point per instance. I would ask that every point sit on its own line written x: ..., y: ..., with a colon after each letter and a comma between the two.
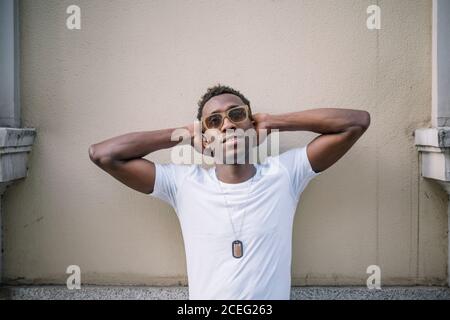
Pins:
x: 142, y: 65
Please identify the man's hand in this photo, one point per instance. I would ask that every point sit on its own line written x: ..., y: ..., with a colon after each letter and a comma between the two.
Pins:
x: 195, y: 130
x: 262, y: 128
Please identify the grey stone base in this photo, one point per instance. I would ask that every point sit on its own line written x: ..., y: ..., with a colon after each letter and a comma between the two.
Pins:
x: 181, y: 293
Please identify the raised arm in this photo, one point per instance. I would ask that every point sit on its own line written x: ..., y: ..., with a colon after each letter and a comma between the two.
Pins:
x: 122, y: 156
x: 339, y: 129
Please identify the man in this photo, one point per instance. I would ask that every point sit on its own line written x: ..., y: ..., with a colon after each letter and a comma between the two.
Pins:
x: 236, y: 218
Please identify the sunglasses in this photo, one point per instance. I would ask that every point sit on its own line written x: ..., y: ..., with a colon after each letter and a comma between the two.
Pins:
x: 235, y: 115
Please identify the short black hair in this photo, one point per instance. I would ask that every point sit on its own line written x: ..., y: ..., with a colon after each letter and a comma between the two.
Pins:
x: 215, y: 91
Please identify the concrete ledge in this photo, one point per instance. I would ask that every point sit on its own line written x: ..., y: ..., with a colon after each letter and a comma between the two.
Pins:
x: 435, y: 137
x: 434, y: 146
x: 15, y: 144
x: 16, y: 137
x: 181, y: 293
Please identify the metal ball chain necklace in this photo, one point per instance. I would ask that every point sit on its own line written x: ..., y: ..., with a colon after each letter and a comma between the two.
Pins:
x: 237, y: 247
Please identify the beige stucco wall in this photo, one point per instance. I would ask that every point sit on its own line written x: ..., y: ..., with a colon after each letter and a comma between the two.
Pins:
x: 142, y: 65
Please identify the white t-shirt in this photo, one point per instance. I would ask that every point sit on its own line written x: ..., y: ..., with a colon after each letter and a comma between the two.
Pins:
x: 268, y: 203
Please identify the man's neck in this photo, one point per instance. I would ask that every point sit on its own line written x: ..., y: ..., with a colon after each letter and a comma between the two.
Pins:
x: 235, y: 173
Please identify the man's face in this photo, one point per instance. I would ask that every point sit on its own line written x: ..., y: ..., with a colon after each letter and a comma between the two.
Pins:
x: 230, y: 146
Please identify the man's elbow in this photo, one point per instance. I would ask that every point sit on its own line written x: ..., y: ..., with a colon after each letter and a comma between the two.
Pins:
x: 363, y: 120
x: 99, y: 158
x: 360, y: 123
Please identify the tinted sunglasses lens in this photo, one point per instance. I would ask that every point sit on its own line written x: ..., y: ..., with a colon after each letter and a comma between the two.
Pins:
x: 237, y: 114
x: 214, y: 121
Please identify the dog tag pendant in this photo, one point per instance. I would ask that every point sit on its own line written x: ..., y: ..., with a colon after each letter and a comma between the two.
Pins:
x: 237, y: 249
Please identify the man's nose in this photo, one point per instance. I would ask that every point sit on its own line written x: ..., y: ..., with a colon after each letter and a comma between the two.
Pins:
x: 227, y: 124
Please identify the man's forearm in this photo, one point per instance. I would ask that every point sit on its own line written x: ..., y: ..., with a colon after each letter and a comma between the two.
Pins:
x: 133, y: 145
x: 323, y: 120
